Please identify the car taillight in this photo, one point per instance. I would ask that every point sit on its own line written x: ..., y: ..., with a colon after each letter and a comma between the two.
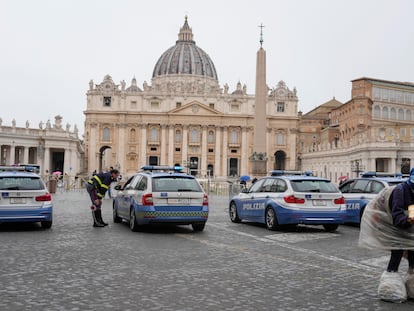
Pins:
x: 147, y: 199
x: 340, y: 200
x: 293, y: 199
x: 205, y: 200
x: 44, y: 197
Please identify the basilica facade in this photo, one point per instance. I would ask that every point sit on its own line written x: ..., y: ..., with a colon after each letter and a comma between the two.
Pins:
x: 185, y: 117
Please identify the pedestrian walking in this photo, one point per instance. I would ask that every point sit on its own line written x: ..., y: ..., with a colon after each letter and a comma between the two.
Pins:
x: 388, y: 223
x: 97, y: 187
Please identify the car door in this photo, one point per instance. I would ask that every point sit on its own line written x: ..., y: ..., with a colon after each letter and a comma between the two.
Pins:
x: 356, y: 194
x: 258, y: 200
x: 124, y: 196
x: 247, y: 199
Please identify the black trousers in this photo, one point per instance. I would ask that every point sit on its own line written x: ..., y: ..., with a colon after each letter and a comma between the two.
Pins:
x: 395, y: 260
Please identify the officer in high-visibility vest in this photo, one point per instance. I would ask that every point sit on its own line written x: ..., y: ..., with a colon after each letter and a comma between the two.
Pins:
x: 97, y: 187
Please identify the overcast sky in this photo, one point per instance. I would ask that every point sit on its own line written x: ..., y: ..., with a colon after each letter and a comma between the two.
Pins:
x: 50, y: 49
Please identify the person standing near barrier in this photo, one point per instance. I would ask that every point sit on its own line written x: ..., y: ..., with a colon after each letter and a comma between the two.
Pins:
x: 97, y: 187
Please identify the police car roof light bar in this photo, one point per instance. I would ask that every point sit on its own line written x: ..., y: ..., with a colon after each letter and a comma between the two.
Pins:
x: 162, y: 168
x: 10, y: 168
x: 380, y: 174
x: 290, y: 172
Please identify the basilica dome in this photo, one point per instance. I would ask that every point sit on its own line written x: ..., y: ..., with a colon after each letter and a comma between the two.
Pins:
x: 185, y: 58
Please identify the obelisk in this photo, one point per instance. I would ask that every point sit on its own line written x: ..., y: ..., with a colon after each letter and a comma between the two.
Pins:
x: 259, y: 158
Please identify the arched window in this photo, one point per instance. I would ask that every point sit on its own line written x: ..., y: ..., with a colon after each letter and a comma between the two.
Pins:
x: 393, y: 114
x: 377, y: 112
x: 194, y: 136
x: 178, y: 136
x: 385, y: 113
x: 106, y: 135
x: 210, y: 137
x: 400, y: 114
x: 408, y: 115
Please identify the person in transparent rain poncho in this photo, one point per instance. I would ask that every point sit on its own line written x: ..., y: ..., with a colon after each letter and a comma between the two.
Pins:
x: 386, y: 224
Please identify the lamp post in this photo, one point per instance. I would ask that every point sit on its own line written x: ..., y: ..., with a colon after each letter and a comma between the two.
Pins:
x: 357, y: 167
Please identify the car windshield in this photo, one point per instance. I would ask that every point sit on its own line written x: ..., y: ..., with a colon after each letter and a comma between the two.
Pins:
x: 313, y: 186
x: 175, y: 184
x: 20, y: 183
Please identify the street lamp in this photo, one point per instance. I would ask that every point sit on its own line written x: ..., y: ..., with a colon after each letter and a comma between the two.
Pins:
x: 357, y: 167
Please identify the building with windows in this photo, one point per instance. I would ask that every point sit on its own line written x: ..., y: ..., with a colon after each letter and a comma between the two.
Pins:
x: 185, y: 117
x: 51, y: 147
x: 374, y: 131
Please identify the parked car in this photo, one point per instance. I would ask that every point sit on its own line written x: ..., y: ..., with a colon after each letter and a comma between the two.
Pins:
x: 161, y: 194
x: 24, y: 197
x: 359, y: 191
x: 283, y: 199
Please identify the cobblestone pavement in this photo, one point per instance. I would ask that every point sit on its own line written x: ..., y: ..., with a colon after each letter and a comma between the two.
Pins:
x: 74, y: 266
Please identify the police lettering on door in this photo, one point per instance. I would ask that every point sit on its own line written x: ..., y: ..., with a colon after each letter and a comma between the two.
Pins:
x: 253, y: 206
x: 353, y: 206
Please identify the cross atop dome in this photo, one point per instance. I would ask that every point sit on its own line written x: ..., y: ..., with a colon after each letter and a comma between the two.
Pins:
x: 186, y: 33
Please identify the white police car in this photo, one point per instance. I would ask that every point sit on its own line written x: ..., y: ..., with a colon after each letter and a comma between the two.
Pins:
x: 24, y: 197
x: 359, y: 191
x: 161, y: 194
x: 283, y: 199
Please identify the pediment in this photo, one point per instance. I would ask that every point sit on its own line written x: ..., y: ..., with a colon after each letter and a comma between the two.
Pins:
x: 195, y: 107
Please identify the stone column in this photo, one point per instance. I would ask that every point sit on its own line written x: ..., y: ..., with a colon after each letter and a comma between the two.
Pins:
x: 244, y: 150
x: 217, y: 153
x: 122, y: 138
x: 185, y: 145
x: 393, y: 164
x: 25, y: 155
x: 203, y: 166
x: 12, y: 155
x: 163, y: 147
x: 171, y: 145
x: 46, y: 160
x: 66, y: 161
x: 93, y: 161
x: 143, y: 155
x: 224, y: 151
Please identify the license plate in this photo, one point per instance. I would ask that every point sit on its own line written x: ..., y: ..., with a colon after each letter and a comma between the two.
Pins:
x: 179, y: 201
x: 17, y: 200
x: 319, y: 202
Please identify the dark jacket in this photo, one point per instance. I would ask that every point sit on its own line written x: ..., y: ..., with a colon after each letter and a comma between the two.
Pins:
x: 101, y: 183
x: 401, y: 197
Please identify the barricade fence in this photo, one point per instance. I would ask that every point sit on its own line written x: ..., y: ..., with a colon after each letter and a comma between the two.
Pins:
x: 77, y: 183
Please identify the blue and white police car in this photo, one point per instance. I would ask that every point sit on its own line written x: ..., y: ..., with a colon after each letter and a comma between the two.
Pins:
x: 290, y: 198
x: 359, y: 191
x: 161, y: 194
x: 24, y: 197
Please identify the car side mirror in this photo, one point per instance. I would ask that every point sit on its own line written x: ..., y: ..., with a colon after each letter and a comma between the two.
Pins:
x: 118, y: 187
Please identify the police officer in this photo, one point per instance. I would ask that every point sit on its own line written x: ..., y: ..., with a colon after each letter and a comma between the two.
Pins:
x: 97, y: 187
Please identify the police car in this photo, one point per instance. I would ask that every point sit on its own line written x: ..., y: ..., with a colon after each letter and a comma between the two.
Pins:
x: 290, y: 198
x: 161, y: 194
x: 359, y: 191
x: 24, y: 197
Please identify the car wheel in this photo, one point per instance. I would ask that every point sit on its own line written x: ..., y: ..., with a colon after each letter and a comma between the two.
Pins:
x: 198, y: 227
x: 330, y: 227
x: 234, y: 217
x: 116, y: 218
x: 271, y: 219
x: 46, y: 224
x: 133, y: 220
